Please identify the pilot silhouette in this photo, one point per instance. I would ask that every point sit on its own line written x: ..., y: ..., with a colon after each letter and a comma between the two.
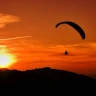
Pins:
x: 66, y: 53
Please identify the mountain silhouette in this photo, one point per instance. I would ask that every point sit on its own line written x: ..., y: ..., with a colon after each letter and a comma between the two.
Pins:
x: 16, y: 77
x: 44, y: 79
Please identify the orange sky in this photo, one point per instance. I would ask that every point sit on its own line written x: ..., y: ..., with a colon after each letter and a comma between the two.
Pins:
x: 37, y: 18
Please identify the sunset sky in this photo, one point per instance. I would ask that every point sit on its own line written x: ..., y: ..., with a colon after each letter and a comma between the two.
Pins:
x: 46, y: 44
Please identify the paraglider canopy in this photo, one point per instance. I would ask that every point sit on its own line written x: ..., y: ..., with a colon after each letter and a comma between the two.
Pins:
x: 75, y: 26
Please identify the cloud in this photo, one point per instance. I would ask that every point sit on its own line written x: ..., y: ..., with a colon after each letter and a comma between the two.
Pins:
x: 7, y: 19
x: 15, y: 38
x: 77, y: 52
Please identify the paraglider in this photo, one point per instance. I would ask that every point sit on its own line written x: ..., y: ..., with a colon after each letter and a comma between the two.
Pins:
x: 76, y: 27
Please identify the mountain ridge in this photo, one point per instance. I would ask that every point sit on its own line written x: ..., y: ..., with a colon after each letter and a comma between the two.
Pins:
x: 44, y: 77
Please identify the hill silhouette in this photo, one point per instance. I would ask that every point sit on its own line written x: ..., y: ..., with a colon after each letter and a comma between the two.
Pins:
x: 46, y: 81
x: 29, y: 77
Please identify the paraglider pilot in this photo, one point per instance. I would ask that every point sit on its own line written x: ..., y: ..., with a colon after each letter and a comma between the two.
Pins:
x: 66, y: 53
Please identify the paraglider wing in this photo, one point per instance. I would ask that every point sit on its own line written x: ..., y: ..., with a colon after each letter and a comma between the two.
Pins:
x: 75, y: 26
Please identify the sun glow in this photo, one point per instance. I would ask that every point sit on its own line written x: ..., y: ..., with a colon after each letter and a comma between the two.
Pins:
x: 6, y: 59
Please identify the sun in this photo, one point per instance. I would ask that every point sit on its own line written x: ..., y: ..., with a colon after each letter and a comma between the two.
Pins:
x: 6, y: 59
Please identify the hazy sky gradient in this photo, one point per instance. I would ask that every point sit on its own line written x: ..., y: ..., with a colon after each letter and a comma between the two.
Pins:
x: 37, y: 18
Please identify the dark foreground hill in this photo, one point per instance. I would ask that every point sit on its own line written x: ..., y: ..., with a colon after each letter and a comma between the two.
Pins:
x: 44, y: 78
